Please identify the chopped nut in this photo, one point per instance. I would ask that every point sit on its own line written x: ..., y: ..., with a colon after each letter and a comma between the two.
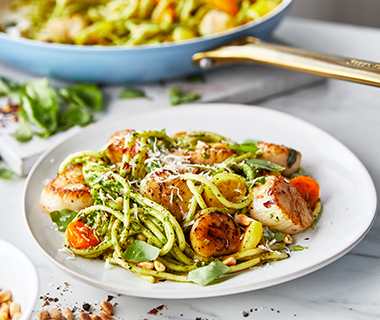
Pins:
x: 106, y: 307
x: 159, y: 266
x: 146, y: 265
x: 16, y: 316
x: 54, y: 313
x: 14, y: 308
x: 243, y: 220
x: 288, y: 239
x: 119, y: 200
x: 141, y: 237
x: 104, y: 316
x: 231, y: 261
x: 67, y: 314
x: 84, y: 316
x: 94, y: 317
x: 4, y: 311
x: 5, y: 295
x: 43, y: 315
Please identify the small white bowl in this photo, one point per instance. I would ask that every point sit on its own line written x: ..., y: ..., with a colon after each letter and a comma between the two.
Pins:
x: 17, y: 274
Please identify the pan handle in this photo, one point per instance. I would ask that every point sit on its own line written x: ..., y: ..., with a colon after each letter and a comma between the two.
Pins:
x: 252, y: 49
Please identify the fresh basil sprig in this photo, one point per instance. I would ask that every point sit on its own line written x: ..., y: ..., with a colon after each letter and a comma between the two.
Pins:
x: 204, y: 275
x: 62, y: 218
x: 140, y: 251
x: 258, y: 164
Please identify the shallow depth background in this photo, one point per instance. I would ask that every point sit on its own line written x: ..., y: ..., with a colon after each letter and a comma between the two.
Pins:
x: 362, y: 12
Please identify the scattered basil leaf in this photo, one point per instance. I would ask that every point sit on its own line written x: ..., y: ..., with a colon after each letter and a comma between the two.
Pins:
x: 6, y: 174
x: 273, y: 235
x: 256, y: 164
x: 40, y: 103
x: 298, y: 248
x: 7, y: 86
x: 279, y: 236
x: 62, y: 218
x: 23, y: 132
x: 292, y: 158
x: 204, y: 275
x: 178, y: 96
x: 256, y: 180
x: 244, y: 147
x: 196, y: 78
x: 140, y: 251
x: 130, y: 93
x: 74, y: 115
x: 86, y: 95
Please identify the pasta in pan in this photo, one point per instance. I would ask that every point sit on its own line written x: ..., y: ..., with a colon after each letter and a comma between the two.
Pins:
x: 186, y: 208
x: 130, y: 22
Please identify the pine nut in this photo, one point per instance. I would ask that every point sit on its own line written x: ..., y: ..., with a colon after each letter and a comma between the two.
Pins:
x: 94, y: 317
x: 43, y: 315
x: 104, y: 316
x: 4, y: 311
x: 146, y: 265
x: 106, y: 307
x: 141, y: 237
x: 159, y: 266
x: 5, y: 295
x: 16, y: 316
x: 231, y: 261
x: 14, y: 307
x: 67, y: 314
x: 243, y: 220
x: 288, y: 239
x: 84, y: 316
x: 54, y: 313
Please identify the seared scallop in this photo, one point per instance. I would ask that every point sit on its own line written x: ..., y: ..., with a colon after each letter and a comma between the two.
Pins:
x: 117, y: 146
x: 283, y: 156
x: 214, y: 234
x: 167, y: 189
x: 67, y: 191
x: 278, y: 205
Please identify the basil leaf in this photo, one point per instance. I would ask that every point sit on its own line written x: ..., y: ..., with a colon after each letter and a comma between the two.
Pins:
x: 244, y: 147
x: 256, y: 180
x: 40, y: 102
x: 292, y: 158
x: 203, y: 276
x: 6, y: 174
x: 178, y: 96
x: 130, y: 93
x: 74, y: 115
x: 140, y: 251
x: 263, y: 164
x: 298, y: 248
x: 279, y: 236
x: 62, y: 218
x: 23, y: 132
x: 85, y: 95
x: 7, y: 86
x: 270, y: 235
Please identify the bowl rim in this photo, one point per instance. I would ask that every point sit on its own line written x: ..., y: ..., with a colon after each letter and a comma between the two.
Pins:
x: 59, y: 46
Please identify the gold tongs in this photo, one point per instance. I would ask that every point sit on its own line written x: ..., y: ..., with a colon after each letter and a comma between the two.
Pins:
x: 252, y: 49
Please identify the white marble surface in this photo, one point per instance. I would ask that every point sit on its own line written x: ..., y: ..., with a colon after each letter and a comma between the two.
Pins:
x: 346, y: 289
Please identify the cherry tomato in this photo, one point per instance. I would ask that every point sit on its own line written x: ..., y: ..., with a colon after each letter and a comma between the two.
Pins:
x: 81, y: 236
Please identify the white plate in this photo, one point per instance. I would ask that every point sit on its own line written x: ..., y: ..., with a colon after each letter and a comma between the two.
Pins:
x: 18, y: 275
x: 347, y: 192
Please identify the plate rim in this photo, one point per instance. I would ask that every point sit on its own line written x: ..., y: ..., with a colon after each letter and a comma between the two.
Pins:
x: 169, y: 294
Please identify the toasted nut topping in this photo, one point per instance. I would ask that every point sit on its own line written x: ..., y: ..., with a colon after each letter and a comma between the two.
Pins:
x: 5, y: 295
x: 119, y: 200
x: 94, y: 317
x: 43, y: 315
x: 16, y: 316
x: 14, y: 307
x: 146, y: 265
x: 159, y: 266
x: 288, y: 239
x: 4, y: 311
x: 106, y: 307
x: 231, y: 261
x: 84, y: 316
x: 104, y: 316
x: 141, y: 237
x: 67, y: 314
x: 243, y: 220
x: 54, y: 313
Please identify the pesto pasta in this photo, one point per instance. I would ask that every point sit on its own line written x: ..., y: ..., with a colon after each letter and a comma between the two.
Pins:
x: 186, y: 208
x: 130, y: 22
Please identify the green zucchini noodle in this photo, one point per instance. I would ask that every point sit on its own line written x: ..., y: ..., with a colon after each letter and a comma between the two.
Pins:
x: 129, y: 22
x: 151, y: 190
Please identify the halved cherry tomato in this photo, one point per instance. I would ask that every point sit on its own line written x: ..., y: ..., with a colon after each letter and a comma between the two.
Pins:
x: 228, y: 6
x: 308, y: 188
x: 81, y: 236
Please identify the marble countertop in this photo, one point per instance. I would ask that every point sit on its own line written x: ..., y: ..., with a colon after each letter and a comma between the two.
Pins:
x: 346, y: 289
